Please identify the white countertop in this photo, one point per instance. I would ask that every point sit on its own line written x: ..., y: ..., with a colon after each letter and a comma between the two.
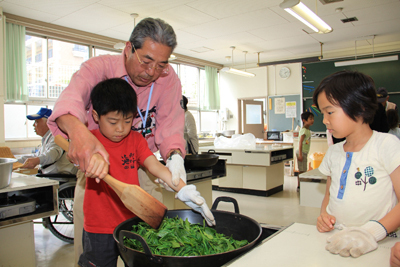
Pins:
x: 257, y: 148
x: 313, y: 174
x: 302, y: 245
x: 21, y: 182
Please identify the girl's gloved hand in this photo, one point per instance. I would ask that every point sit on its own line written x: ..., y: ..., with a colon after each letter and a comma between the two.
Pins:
x: 356, y: 241
x: 191, y: 197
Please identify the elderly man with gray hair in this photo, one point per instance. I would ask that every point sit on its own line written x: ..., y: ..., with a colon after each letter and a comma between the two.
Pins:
x: 50, y: 158
x: 144, y: 65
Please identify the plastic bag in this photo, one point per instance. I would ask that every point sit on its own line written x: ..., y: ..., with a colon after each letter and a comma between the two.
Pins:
x: 247, y: 140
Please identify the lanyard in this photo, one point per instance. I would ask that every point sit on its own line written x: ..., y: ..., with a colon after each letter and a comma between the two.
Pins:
x: 148, y: 105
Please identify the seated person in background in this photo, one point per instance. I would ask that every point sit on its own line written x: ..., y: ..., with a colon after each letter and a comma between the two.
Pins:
x: 393, y: 121
x: 50, y: 157
x: 114, y: 107
x: 190, y: 132
x: 363, y: 172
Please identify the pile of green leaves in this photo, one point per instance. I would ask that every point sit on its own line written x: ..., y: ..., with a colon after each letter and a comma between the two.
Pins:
x: 178, y: 238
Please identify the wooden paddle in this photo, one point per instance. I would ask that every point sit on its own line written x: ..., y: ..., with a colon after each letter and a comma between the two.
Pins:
x: 141, y: 203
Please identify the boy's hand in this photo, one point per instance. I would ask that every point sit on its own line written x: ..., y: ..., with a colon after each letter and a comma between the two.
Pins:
x: 325, y: 222
x: 97, y: 167
x: 191, y: 197
x: 300, y: 157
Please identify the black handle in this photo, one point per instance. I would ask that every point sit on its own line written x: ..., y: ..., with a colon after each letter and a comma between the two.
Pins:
x: 211, y: 151
x: 226, y: 199
x: 147, y: 251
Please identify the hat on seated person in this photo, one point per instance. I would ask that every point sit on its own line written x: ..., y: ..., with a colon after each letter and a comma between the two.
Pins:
x: 381, y: 94
x: 43, y: 113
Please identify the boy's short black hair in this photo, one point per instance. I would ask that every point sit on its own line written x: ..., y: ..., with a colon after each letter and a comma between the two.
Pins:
x: 393, y: 118
x: 114, y: 95
x: 305, y: 115
x: 353, y: 91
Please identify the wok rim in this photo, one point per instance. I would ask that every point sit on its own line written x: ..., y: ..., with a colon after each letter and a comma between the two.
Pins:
x: 249, y: 245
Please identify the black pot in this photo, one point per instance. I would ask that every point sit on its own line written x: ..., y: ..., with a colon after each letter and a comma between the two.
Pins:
x: 238, y: 226
x: 201, y: 161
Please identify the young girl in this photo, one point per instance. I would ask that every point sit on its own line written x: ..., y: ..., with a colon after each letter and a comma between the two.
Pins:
x: 363, y: 185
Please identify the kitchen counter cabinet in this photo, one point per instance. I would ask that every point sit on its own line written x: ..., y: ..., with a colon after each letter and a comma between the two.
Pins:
x: 17, y: 232
x: 312, y: 188
x: 256, y: 171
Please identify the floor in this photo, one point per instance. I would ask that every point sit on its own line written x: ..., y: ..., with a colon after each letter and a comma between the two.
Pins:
x: 280, y: 209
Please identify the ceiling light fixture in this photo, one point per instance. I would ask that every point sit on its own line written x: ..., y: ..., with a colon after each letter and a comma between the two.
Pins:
x: 236, y: 71
x: 366, y: 60
x: 301, y: 12
x: 121, y: 45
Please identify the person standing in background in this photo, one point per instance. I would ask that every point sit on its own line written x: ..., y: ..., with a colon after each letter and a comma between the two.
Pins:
x: 190, y: 131
x: 160, y: 119
x: 304, y: 143
x: 393, y: 121
x: 383, y: 98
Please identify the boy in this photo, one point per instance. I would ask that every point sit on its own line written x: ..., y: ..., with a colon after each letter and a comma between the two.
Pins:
x: 304, y: 143
x: 114, y: 107
x: 363, y: 172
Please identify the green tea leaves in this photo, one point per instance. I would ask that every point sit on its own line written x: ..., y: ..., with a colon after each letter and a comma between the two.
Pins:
x: 176, y: 237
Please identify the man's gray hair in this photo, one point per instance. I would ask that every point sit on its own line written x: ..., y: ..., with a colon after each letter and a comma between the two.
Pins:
x: 155, y: 29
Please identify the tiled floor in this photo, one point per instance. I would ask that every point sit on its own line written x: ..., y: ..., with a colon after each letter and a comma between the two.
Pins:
x: 280, y: 209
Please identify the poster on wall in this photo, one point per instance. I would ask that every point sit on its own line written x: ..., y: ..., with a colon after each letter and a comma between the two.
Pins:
x: 291, y: 109
x: 279, y: 104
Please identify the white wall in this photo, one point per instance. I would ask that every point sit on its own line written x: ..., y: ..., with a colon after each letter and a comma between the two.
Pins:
x: 266, y: 83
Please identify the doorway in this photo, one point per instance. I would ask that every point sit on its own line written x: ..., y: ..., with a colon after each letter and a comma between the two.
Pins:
x: 252, y: 116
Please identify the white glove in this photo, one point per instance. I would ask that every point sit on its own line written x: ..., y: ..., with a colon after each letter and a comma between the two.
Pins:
x: 356, y: 241
x: 191, y: 197
x: 176, y: 167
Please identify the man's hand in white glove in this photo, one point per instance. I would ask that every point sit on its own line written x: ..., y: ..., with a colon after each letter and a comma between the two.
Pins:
x: 191, y: 197
x: 176, y: 166
x: 356, y: 241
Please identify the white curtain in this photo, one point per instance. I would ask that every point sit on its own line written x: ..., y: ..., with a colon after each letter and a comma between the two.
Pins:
x: 211, y: 99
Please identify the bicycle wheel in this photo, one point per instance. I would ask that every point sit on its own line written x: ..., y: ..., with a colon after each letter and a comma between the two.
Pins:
x: 62, y: 224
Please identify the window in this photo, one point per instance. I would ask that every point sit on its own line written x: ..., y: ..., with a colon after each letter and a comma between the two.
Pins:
x: 98, y: 52
x: 50, y: 65
x: 16, y: 124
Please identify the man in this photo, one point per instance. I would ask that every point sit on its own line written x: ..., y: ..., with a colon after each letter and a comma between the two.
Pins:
x: 50, y: 157
x: 383, y: 98
x: 144, y: 64
x: 190, y: 131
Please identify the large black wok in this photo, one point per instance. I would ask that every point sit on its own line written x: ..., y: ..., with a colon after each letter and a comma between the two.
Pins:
x: 201, y: 161
x: 231, y: 224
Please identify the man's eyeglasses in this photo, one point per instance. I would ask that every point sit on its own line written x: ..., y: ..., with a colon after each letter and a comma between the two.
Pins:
x: 149, y: 66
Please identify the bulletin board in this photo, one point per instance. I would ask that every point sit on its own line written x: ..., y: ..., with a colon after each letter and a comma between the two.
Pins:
x: 277, y: 117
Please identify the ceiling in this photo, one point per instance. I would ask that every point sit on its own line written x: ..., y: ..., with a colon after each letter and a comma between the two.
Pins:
x: 206, y: 29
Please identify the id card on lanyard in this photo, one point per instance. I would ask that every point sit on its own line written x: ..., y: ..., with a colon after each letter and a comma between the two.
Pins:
x: 144, y: 119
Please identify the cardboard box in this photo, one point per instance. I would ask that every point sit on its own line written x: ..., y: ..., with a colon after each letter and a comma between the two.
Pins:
x: 27, y: 171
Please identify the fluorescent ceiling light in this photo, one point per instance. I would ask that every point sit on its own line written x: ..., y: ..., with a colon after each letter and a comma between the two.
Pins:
x: 171, y: 57
x: 238, y: 72
x: 305, y: 15
x: 119, y: 46
x: 366, y: 61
